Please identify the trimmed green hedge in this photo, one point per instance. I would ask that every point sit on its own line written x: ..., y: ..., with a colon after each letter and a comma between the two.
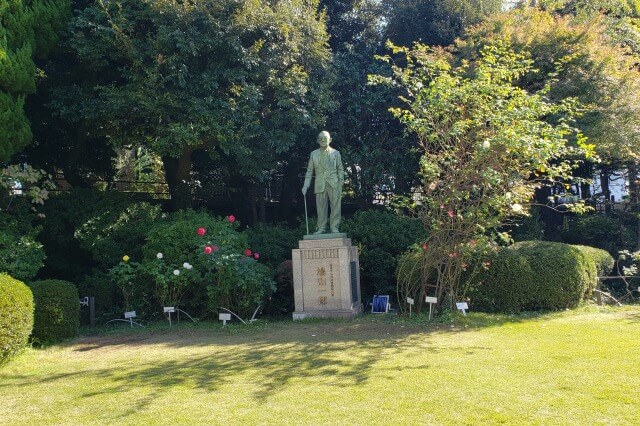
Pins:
x: 603, y: 260
x: 536, y: 275
x: 16, y: 316
x: 57, y: 310
x: 506, y: 286
x: 562, y: 274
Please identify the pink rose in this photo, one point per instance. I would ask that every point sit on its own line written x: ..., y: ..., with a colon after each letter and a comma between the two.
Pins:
x: 231, y: 218
x: 201, y: 231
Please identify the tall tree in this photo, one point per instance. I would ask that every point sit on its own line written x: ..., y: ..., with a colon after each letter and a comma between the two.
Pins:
x: 434, y: 22
x: 238, y: 79
x: 28, y: 29
x: 594, y: 68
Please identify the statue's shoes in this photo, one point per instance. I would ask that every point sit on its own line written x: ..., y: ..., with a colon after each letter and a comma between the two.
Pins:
x: 318, y: 232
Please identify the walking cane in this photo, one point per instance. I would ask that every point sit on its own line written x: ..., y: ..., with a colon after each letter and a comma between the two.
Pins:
x: 306, y: 217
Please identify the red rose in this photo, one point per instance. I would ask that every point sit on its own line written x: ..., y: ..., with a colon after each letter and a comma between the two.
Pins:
x: 208, y: 249
x: 201, y: 231
x: 247, y: 252
x: 231, y: 218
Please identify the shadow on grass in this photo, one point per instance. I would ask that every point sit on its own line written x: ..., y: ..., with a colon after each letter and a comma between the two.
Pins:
x: 314, y: 352
x: 263, y: 358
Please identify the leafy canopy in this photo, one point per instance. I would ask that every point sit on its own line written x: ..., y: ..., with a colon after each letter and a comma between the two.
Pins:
x: 486, y: 145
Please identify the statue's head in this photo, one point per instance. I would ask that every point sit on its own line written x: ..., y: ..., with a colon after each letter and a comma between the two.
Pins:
x: 324, y: 139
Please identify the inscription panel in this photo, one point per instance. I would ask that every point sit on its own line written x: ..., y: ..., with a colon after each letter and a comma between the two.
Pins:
x: 320, y: 254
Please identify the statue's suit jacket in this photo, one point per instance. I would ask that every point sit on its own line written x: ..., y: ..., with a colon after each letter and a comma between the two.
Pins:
x: 332, y: 173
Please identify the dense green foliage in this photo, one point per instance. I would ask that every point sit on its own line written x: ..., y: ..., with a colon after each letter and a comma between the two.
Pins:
x: 21, y: 255
x: 382, y: 237
x: 507, y: 285
x: 435, y: 22
x: 241, y: 80
x: 273, y: 241
x: 57, y: 310
x: 597, y: 230
x: 16, y: 316
x: 563, y: 274
x: 84, y: 229
x: 537, y: 275
x: 601, y: 258
x: 28, y: 28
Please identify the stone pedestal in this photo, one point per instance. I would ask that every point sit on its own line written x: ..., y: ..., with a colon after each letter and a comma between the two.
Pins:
x: 326, y: 277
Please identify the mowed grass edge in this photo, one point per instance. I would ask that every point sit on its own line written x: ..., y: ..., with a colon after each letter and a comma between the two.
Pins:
x: 577, y: 367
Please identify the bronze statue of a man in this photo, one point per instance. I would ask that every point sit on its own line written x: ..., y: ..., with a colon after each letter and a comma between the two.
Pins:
x: 329, y: 178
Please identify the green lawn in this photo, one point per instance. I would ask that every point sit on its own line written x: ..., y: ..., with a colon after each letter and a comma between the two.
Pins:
x: 579, y: 367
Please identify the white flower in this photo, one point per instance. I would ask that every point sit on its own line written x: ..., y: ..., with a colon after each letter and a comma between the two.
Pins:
x: 159, y: 255
x: 187, y: 265
x: 516, y: 208
x: 176, y: 272
x: 486, y: 144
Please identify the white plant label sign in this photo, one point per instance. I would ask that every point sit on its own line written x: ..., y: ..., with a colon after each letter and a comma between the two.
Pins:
x: 462, y: 306
x: 169, y: 309
x: 130, y: 314
x: 431, y: 299
x: 410, y: 301
x: 224, y: 318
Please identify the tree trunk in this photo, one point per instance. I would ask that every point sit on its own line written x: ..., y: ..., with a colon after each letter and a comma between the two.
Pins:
x: 606, y: 191
x: 178, y: 175
x: 634, y: 199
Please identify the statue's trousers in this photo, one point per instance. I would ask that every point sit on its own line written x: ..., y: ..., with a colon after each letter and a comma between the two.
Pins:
x: 329, y: 198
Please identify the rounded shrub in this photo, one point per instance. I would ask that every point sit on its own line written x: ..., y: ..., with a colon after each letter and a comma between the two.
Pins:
x: 16, y: 316
x: 562, y: 274
x: 57, y: 310
x: 603, y: 260
x: 505, y: 285
x: 603, y: 263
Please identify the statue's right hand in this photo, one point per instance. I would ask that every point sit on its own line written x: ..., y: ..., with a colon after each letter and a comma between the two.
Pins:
x: 304, y: 190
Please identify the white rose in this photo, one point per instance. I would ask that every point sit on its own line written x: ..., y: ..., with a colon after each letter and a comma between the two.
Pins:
x: 176, y: 272
x: 159, y: 255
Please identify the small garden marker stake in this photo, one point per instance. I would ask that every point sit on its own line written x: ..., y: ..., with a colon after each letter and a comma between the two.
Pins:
x: 130, y: 316
x: 224, y: 318
x: 462, y: 306
x: 168, y: 310
x: 410, y: 302
x: 431, y: 301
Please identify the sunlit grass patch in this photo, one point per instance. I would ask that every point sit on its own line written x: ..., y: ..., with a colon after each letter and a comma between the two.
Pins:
x: 576, y: 367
